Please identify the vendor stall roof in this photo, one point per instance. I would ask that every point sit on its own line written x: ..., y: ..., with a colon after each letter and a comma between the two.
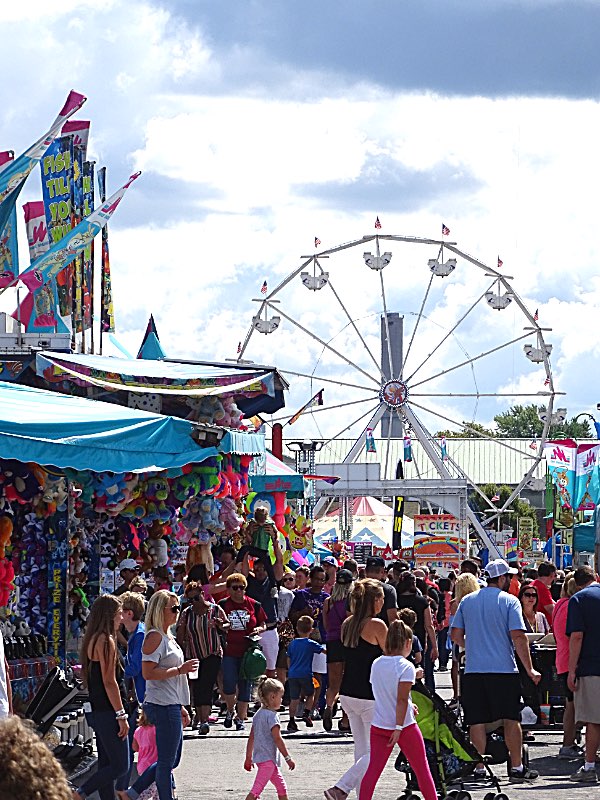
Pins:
x: 67, y: 431
x: 158, y: 377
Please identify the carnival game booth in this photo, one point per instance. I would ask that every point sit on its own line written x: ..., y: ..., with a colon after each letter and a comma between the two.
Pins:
x: 84, y: 484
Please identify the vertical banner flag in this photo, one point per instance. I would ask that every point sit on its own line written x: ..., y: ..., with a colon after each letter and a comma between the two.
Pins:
x: 76, y: 217
x: 88, y: 253
x: 13, y: 177
x: 37, y: 311
x: 370, y: 441
x: 398, y: 519
x: 79, y: 129
x: 443, y: 448
x: 407, y: 449
x: 560, y: 458
x: 63, y: 253
x: 587, y: 477
x: 9, y: 252
x: 107, y: 316
x: 57, y: 179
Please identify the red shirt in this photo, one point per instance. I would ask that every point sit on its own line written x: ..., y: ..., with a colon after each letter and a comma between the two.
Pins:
x: 544, y: 599
x: 243, y: 618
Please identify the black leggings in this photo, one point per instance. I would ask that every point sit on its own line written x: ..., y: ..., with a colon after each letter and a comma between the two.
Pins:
x: 202, y: 687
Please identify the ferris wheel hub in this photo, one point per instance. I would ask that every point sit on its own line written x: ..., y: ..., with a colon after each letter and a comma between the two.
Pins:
x: 394, y: 393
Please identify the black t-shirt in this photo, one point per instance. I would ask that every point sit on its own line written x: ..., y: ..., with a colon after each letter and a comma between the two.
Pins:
x: 418, y: 603
x: 389, y: 601
x: 261, y: 592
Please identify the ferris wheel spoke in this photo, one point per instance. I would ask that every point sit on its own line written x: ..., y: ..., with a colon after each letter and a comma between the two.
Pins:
x: 320, y: 409
x: 497, y: 440
x: 325, y: 344
x: 450, y: 332
x: 484, y: 394
x: 358, y: 333
x: 387, y: 452
x: 412, y: 338
x: 372, y: 411
x: 415, y: 464
x: 526, y: 335
x: 329, y: 380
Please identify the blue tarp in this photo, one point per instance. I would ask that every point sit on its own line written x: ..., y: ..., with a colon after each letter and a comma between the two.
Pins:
x: 49, y: 428
x: 251, y: 444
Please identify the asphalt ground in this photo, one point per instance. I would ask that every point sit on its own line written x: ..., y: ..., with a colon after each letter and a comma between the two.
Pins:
x: 212, y: 766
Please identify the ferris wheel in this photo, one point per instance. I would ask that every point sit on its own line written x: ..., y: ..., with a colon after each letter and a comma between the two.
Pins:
x: 412, y: 335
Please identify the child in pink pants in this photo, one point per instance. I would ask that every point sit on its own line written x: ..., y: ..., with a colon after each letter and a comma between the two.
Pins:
x: 265, y: 742
x: 392, y: 677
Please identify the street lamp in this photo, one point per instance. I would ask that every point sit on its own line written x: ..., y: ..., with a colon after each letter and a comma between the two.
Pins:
x: 304, y: 452
x: 596, y: 424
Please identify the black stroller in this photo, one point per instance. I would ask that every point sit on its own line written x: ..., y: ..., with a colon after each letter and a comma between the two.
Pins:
x: 451, y: 756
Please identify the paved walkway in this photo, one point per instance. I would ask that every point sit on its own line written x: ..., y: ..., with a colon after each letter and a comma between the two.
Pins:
x: 212, y: 766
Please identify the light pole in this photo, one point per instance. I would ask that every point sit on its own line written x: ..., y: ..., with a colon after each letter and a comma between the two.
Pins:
x: 304, y: 453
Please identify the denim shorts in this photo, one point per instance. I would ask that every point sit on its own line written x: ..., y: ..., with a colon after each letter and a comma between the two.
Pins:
x: 232, y: 681
x: 299, y: 686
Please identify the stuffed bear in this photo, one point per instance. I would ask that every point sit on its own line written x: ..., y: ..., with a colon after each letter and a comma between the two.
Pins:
x: 6, y: 529
x: 156, y: 545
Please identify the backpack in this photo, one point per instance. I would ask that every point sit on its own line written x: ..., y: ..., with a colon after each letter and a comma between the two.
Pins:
x: 254, y: 662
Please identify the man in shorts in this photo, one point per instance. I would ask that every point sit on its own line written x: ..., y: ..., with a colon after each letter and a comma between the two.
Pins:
x: 583, y: 630
x: 489, y: 625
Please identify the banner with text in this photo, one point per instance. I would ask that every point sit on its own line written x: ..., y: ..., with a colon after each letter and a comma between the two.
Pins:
x: 587, y: 477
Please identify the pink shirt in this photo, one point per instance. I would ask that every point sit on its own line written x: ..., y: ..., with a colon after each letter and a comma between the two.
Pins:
x: 559, y: 625
x: 145, y: 736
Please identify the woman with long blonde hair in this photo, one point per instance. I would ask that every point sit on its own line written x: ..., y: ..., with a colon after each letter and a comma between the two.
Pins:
x: 466, y: 583
x: 167, y: 693
x: 103, y: 675
x: 363, y: 636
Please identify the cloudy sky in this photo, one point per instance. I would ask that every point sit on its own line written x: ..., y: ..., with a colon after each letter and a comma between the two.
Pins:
x: 259, y: 125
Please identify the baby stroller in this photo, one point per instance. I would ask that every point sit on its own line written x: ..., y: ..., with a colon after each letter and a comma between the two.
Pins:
x: 451, y: 756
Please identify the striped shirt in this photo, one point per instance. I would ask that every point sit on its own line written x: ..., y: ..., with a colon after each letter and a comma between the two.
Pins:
x: 197, y: 638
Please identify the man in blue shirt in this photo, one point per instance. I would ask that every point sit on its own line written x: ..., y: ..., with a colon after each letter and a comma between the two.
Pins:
x: 489, y: 625
x: 583, y: 630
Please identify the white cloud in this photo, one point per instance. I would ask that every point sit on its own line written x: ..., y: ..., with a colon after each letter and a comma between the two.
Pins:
x: 515, y: 177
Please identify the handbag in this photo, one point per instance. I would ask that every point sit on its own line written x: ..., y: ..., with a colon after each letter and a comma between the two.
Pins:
x: 285, y: 629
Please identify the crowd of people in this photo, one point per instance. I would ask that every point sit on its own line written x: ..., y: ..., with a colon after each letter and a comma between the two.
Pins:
x: 337, y: 636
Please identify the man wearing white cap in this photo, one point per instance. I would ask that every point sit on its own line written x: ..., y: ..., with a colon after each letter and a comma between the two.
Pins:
x: 128, y: 569
x: 489, y: 625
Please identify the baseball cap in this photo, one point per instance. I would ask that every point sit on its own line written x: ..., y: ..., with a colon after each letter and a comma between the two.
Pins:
x: 498, y: 567
x: 329, y: 560
x: 375, y: 562
x: 128, y: 563
x: 344, y: 576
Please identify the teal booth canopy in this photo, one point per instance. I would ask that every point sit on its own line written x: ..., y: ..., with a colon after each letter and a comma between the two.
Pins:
x: 49, y: 428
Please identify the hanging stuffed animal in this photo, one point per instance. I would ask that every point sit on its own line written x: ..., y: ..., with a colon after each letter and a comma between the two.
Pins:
x: 6, y: 529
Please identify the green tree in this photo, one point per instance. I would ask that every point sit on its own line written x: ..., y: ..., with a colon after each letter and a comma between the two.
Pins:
x: 469, y: 431
x: 523, y: 422
x: 518, y: 508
